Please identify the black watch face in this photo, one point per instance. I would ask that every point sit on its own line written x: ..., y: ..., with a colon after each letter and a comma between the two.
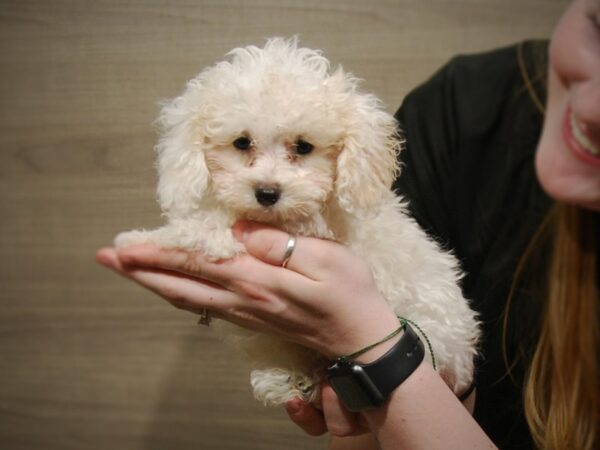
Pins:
x: 355, y: 388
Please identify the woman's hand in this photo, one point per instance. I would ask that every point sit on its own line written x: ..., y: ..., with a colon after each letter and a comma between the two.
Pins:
x: 333, y: 417
x: 325, y: 298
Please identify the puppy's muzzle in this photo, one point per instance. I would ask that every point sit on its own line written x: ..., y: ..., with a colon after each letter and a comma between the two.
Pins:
x: 267, y: 195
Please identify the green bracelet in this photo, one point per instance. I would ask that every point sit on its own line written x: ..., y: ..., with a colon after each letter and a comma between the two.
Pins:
x: 403, y: 322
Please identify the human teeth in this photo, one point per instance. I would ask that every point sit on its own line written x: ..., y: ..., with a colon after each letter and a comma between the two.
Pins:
x: 582, y: 139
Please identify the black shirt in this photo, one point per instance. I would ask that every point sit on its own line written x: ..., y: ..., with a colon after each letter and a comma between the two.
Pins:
x: 468, y: 174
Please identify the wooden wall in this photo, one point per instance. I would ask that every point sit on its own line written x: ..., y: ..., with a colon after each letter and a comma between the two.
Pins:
x: 88, y: 360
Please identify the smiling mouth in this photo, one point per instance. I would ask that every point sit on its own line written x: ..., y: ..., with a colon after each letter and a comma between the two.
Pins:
x: 579, y: 141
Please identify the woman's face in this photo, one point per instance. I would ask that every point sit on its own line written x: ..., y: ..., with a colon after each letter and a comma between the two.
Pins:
x: 568, y: 154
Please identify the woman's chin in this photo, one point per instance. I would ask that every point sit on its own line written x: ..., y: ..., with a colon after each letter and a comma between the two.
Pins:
x: 566, y: 179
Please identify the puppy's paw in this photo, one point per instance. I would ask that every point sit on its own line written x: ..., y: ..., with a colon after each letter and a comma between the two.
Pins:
x: 221, y: 247
x: 278, y: 386
x: 132, y: 238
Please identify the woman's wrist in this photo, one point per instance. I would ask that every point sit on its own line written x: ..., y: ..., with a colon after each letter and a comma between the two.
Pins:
x: 369, y: 331
x: 379, y: 350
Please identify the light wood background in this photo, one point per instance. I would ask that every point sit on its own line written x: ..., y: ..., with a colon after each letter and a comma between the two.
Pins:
x: 88, y: 360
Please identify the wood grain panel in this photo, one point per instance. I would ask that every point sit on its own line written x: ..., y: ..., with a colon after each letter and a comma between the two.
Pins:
x: 88, y: 361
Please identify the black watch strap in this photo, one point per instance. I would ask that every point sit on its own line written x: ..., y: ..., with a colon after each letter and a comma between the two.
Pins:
x: 363, y: 386
x: 395, y: 366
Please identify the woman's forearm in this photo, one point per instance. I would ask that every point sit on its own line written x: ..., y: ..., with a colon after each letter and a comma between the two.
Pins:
x: 367, y: 441
x: 422, y: 413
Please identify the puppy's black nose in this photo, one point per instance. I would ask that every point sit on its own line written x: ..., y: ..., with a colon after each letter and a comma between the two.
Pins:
x: 267, y: 195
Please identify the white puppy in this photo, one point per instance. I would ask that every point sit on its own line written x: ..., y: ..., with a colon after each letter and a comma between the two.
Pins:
x: 273, y: 135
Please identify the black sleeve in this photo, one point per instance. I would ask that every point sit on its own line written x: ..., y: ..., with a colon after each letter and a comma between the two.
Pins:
x: 426, y: 120
x: 468, y: 176
x: 458, y: 127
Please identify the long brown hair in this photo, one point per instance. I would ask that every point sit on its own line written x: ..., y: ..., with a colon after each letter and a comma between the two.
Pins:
x: 562, y: 383
x: 562, y: 394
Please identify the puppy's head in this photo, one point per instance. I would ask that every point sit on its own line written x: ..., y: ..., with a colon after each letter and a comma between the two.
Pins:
x: 273, y: 135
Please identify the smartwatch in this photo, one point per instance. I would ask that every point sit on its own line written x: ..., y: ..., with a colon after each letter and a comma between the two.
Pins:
x: 366, y: 386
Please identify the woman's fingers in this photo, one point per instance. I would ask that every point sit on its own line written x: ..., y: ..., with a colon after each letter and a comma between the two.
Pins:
x: 180, y: 290
x: 306, y: 416
x: 268, y: 244
x: 184, y: 261
x: 108, y: 258
x: 244, y: 274
x: 309, y: 256
x: 231, y: 273
x: 334, y: 418
x: 340, y: 422
x: 251, y: 307
x: 183, y: 292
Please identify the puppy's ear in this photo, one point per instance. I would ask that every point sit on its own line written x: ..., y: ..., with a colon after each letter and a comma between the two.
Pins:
x: 183, y: 175
x: 368, y: 162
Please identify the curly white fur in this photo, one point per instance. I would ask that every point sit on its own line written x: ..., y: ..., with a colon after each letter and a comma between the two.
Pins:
x: 277, y: 98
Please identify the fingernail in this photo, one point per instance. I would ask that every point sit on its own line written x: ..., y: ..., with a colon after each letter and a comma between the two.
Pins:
x: 105, y: 256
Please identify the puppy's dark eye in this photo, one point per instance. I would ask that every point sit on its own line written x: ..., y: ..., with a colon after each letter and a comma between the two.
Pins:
x: 302, y: 147
x: 242, y: 143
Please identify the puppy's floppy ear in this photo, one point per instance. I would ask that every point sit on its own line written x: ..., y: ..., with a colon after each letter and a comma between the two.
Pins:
x: 368, y: 163
x: 183, y: 175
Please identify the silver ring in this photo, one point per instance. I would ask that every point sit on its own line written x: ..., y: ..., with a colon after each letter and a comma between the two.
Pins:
x: 291, y: 245
x: 205, y: 317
